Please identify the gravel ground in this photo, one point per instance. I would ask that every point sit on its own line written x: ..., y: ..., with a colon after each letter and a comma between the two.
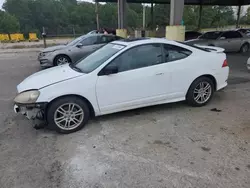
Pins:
x: 166, y: 146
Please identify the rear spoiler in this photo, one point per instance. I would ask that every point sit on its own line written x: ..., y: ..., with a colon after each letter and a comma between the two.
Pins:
x: 211, y: 48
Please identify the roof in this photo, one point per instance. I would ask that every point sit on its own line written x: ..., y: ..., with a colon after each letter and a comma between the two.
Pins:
x: 135, y: 42
x: 190, y: 2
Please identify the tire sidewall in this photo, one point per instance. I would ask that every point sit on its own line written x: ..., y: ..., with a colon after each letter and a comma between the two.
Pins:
x: 53, y: 107
x: 190, y: 93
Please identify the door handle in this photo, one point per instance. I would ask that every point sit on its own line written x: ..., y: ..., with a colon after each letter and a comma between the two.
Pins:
x: 159, y: 74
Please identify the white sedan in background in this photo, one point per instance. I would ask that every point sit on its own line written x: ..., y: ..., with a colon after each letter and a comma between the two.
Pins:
x: 120, y: 76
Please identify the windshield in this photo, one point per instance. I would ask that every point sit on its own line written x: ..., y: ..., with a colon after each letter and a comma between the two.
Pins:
x: 211, y: 35
x: 94, y: 60
x: 75, y: 41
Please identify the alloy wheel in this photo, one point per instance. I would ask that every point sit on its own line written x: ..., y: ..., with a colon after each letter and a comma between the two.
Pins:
x: 62, y: 60
x: 202, y: 92
x: 68, y: 116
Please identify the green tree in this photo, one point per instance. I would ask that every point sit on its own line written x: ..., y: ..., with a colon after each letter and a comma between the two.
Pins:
x: 8, y: 23
x: 246, y: 18
x: 61, y: 16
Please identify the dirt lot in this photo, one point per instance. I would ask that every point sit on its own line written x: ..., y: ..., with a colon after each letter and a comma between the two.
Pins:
x: 166, y: 146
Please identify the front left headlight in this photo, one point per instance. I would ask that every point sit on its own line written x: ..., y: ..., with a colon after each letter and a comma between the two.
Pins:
x: 42, y: 54
x: 27, y: 97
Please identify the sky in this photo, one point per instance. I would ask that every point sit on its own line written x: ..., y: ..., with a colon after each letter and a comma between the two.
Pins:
x: 1, y: 3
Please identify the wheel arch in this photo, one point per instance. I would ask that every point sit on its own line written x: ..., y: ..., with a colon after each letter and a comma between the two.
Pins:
x: 62, y: 54
x: 90, y: 106
x: 211, y: 77
x: 245, y: 43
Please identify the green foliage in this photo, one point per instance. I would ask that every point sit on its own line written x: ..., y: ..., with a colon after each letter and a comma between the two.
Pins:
x: 8, y: 23
x: 246, y: 18
x: 64, y: 16
x: 212, y: 16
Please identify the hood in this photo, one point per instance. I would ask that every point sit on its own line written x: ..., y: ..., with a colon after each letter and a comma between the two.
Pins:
x: 54, y: 48
x: 48, y: 77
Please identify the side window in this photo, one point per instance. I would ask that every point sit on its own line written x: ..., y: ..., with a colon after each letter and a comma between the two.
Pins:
x: 227, y: 35
x: 107, y: 39
x: 118, y: 38
x: 173, y: 53
x: 138, y: 57
x: 231, y: 35
x: 237, y: 34
x: 89, y: 41
x: 242, y: 30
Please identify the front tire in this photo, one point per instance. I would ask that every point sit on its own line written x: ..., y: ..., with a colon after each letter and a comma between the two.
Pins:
x: 61, y: 60
x: 200, y: 92
x: 68, y: 114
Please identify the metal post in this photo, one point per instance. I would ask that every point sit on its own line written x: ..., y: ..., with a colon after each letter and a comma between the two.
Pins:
x: 152, y: 15
x: 121, y: 5
x: 97, y: 16
x: 144, y: 17
x: 44, y: 37
x: 124, y: 14
x: 176, y: 11
x: 238, y: 17
x: 200, y: 16
x: 119, y: 13
x: 74, y: 32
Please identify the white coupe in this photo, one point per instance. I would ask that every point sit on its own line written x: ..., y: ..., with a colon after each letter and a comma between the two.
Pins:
x: 120, y: 76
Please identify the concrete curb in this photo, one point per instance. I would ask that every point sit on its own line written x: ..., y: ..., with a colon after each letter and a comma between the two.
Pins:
x: 3, y: 51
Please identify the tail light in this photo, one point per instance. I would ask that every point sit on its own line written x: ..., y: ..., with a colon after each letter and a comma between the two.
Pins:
x: 225, y: 64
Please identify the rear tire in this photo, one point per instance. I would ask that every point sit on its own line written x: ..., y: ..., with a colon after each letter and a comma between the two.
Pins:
x: 68, y: 114
x: 200, y: 92
x: 244, y: 48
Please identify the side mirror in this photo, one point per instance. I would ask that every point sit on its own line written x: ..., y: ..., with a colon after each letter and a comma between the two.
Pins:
x: 79, y: 45
x: 110, y: 70
x: 222, y: 38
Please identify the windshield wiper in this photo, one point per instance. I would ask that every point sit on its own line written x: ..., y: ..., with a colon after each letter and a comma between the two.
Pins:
x: 72, y: 65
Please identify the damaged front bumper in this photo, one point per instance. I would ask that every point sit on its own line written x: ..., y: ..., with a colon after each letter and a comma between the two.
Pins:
x: 31, y: 111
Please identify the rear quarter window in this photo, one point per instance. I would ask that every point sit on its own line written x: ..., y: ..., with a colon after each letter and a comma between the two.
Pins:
x: 173, y: 52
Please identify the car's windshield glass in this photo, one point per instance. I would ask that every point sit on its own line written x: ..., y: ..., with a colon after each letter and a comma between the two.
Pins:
x: 94, y: 60
x: 75, y: 41
x: 210, y: 35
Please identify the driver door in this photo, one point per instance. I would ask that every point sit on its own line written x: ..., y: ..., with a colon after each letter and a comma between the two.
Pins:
x: 141, y: 79
x: 224, y: 41
x: 84, y: 47
x: 231, y: 42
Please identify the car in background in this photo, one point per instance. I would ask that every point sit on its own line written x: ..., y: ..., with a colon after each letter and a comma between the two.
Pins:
x: 231, y: 41
x: 92, y: 32
x: 75, y: 50
x: 189, y: 35
x: 244, y: 31
x: 122, y: 75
